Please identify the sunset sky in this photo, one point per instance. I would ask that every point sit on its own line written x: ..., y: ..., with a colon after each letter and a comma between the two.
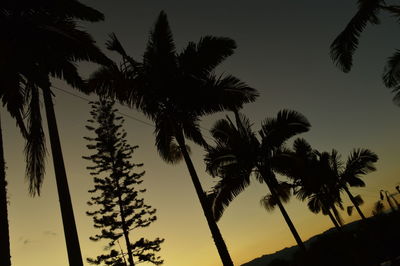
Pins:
x: 283, y: 52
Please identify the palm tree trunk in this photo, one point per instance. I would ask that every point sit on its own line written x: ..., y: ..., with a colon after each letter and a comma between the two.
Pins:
x: 337, y: 225
x: 216, y: 234
x: 336, y: 213
x: 67, y: 213
x: 354, y: 202
x: 285, y: 215
x: 5, y: 254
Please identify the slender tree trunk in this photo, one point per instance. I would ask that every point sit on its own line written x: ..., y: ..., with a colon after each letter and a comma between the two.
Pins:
x: 337, y: 215
x: 354, y: 202
x: 216, y: 234
x: 125, y: 229
x: 389, y: 201
x: 67, y: 213
x: 396, y: 202
x: 5, y: 254
x: 285, y: 215
x: 337, y: 225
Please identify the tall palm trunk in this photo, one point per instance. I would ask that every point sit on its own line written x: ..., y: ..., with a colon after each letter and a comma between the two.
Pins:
x: 284, y: 213
x: 337, y: 225
x: 67, y: 213
x: 216, y: 234
x: 337, y: 215
x: 5, y: 254
x: 353, y: 200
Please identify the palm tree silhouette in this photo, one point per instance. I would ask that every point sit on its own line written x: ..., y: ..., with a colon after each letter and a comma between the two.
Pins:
x: 42, y: 40
x: 174, y: 90
x: 238, y: 154
x: 360, y: 162
x: 346, y: 43
x: 313, y: 177
x: 13, y: 99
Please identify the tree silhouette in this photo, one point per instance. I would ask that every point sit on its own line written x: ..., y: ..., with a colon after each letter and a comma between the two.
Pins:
x: 360, y: 162
x: 117, y: 190
x: 39, y: 40
x: 313, y: 177
x: 238, y: 154
x: 175, y: 90
x: 346, y: 43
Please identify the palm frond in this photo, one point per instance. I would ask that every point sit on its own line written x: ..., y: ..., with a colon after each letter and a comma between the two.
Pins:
x: 275, y: 131
x: 227, y: 93
x: 345, y: 44
x: 35, y: 147
x: 226, y: 190
x: 391, y: 75
x: 360, y: 162
x: 202, y: 58
x: 159, y: 58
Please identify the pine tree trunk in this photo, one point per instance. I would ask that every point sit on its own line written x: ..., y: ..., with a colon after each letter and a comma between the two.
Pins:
x: 354, y: 202
x: 285, y: 215
x: 5, y: 254
x: 67, y: 213
x: 216, y: 234
x: 125, y: 230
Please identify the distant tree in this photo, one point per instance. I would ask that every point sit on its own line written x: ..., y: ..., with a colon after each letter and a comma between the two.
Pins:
x: 116, y: 191
x: 346, y: 43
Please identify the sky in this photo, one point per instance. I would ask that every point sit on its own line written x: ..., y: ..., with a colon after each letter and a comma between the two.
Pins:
x: 283, y: 52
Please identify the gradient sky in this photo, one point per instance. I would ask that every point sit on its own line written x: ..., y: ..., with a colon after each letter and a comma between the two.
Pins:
x: 283, y: 51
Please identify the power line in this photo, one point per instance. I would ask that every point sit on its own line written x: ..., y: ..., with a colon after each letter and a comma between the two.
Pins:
x: 121, y: 113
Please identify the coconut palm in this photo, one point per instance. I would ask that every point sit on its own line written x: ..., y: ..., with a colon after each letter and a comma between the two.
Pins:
x: 40, y: 40
x: 238, y: 154
x: 346, y: 43
x: 360, y: 162
x: 313, y: 178
x: 175, y: 90
x: 13, y: 100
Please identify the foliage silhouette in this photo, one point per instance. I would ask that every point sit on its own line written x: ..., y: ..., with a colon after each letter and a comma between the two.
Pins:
x: 345, y: 44
x: 39, y: 40
x: 117, y: 190
x: 321, y: 177
x: 175, y: 90
x: 238, y: 154
x: 313, y: 177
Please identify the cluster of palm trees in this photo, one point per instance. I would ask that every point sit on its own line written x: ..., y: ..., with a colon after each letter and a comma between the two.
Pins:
x: 318, y: 177
x: 41, y: 40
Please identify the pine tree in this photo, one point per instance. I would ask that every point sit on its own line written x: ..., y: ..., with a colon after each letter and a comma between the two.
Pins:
x: 116, y: 192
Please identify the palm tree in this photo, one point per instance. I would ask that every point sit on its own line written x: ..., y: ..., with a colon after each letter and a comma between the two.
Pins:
x: 238, y: 154
x: 41, y: 39
x: 346, y: 43
x: 313, y: 178
x: 14, y: 102
x: 389, y: 199
x: 360, y: 162
x: 174, y: 90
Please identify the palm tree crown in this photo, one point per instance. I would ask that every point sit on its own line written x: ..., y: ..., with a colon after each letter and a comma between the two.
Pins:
x: 238, y: 154
x: 175, y: 89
